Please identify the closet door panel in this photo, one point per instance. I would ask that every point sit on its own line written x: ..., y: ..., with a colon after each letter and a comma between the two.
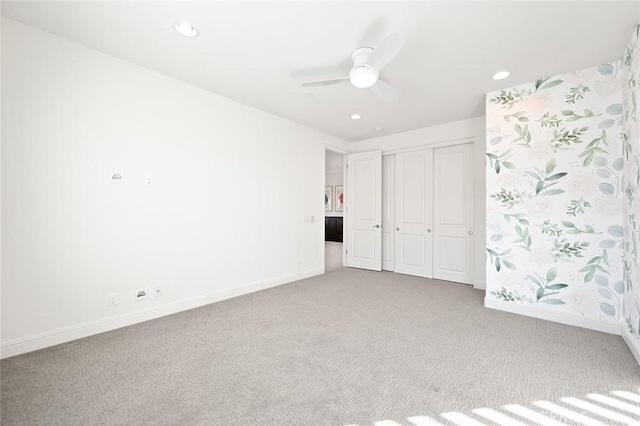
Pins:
x: 453, y: 211
x: 414, y: 213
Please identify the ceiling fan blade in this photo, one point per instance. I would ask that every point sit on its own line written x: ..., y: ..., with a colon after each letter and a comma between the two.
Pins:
x: 384, y: 91
x: 386, y: 51
x: 328, y: 82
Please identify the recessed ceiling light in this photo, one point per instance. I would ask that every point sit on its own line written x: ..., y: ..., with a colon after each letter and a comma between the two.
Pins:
x: 500, y: 75
x: 377, y: 129
x: 186, y: 29
x: 356, y: 116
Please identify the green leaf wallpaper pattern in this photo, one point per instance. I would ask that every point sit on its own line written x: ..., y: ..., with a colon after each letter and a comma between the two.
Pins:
x: 556, y: 192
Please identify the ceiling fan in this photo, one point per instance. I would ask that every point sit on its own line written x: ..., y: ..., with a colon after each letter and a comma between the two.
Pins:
x: 367, y: 63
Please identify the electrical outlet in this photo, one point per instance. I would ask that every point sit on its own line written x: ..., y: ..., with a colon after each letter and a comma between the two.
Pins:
x: 157, y: 291
x: 117, y: 177
x: 148, y: 180
x: 141, y: 294
x: 112, y: 299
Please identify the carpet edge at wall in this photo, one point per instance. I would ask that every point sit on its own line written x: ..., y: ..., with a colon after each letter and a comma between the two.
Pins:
x: 612, y: 327
x: 67, y: 334
x: 632, y: 342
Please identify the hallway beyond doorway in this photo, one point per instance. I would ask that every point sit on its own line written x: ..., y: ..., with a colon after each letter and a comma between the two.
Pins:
x: 332, y: 255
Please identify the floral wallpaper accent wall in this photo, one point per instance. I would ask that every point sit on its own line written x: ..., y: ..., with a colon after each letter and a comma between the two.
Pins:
x: 556, y: 193
x: 631, y: 153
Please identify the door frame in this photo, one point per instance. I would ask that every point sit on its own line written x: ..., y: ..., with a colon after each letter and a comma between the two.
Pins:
x: 420, y: 147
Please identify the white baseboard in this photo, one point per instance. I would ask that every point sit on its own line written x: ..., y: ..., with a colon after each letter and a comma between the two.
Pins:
x: 632, y: 341
x: 479, y: 284
x: 67, y: 334
x: 612, y: 327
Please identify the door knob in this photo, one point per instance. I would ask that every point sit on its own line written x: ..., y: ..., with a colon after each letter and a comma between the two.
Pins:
x: 376, y: 226
x: 470, y: 232
x: 397, y: 229
x: 429, y: 230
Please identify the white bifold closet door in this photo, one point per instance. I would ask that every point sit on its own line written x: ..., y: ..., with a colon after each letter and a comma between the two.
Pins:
x: 453, y: 213
x: 364, y: 210
x: 434, y: 213
x: 414, y: 213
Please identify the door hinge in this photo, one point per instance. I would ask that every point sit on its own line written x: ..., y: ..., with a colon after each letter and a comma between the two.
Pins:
x: 346, y: 251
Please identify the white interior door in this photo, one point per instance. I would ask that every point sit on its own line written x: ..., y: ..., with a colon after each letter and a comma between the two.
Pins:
x: 453, y: 213
x: 388, y: 209
x: 364, y: 210
x: 414, y: 211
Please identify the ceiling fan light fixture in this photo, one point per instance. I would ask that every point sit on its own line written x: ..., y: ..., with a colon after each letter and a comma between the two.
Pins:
x: 186, y: 29
x: 356, y: 116
x: 363, y: 76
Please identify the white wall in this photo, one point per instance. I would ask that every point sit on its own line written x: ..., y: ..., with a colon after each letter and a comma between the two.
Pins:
x: 471, y: 130
x: 232, y: 187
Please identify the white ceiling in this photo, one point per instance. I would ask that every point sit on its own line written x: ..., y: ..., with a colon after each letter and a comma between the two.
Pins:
x: 259, y: 53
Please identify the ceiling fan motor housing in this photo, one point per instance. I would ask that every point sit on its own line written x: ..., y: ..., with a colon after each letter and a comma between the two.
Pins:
x: 361, y: 55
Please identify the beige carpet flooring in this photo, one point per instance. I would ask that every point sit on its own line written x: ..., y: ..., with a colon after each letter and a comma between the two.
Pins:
x: 349, y: 347
x: 332, y: 255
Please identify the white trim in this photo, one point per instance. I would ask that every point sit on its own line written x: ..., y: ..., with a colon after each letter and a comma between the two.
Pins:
x: 336, y: 149
x: 67, y: 334
x: 612, y: 327
x: 440, y: 144
x: 632, y: 341
x: 321, y: 217
x: 479, y: 284
x: 345, y: 222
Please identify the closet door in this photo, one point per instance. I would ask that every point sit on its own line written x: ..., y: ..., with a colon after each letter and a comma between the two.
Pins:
x: 453, y: 213
x: 414, y: 213
x: 388, y: 209
x: 364, y: 210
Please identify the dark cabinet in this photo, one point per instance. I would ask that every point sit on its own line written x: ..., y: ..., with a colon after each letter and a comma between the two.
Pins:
x: 333, y: 229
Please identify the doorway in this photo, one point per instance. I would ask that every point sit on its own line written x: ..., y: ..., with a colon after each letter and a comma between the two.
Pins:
x: 333, y: 210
